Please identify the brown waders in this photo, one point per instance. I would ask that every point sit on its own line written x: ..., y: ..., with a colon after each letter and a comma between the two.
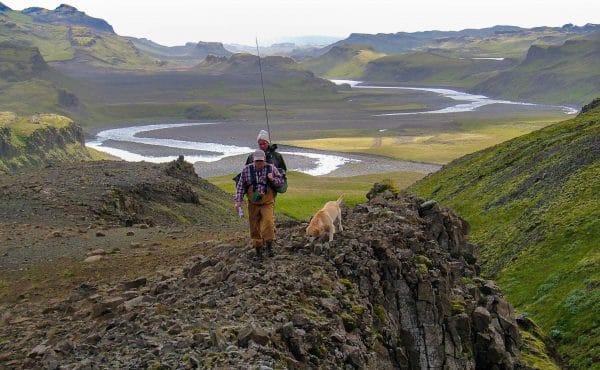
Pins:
x: 262, y: 223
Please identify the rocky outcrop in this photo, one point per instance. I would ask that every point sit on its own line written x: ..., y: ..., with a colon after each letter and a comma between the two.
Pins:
x: 592, y: 105
x: 397, y: 289
x: 19, y: 63
x: 44, y: 145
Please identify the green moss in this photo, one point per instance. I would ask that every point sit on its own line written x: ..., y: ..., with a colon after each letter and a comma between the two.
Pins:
x: 423, y: 260
x: 156, y: 366
x: 358, y: 309
x: 457, y: 305
x: 348, y: 321
x: 467, y: 280
x: 534, y: 352
x: 347, y: 283
x: 379, y: 312
x: 182, y: 219
x: 422, y: 268
x: 69, y: 274
x: 326, y: 293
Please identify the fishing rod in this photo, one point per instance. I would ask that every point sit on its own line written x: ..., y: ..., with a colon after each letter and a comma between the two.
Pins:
x: 262, y: 84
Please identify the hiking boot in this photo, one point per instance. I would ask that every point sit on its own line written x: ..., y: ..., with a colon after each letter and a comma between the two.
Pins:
x: 269, y: 249
x: 259, y: 253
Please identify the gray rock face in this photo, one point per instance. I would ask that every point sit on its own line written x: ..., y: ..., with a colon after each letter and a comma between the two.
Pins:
x: 397, y: 289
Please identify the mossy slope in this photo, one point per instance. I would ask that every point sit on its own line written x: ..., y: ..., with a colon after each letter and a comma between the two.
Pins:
x: 346, y: 61
x: 38, y: 140
x: 68, y: 36
x: 432, y: 69
x: 533, y: 206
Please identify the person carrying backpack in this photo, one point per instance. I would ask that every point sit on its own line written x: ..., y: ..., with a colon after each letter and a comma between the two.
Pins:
x: 272, y: 156
x: 258, y: 179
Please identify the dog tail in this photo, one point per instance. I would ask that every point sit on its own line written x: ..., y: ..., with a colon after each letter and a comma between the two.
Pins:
x: 339, y: 200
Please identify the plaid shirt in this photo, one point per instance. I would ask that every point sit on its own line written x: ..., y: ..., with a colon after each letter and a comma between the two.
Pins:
x: 261, y: 181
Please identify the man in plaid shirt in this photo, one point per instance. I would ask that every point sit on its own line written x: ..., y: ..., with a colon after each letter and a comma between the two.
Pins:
x: 257, y: 180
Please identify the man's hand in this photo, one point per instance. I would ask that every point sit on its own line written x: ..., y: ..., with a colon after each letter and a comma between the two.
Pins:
x: 238, y: 205
x: 270, y: 176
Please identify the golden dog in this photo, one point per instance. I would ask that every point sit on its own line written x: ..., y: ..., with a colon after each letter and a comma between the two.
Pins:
x: 323, y: 220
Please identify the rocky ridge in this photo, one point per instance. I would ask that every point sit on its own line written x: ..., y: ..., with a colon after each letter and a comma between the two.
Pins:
x: 68, y: 16
x: 398, y: 288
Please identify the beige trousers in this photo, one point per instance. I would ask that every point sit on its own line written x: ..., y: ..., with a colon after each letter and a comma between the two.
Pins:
x: 261, y: 218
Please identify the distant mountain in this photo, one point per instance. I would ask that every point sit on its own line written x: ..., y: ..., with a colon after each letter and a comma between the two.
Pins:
x: 278, y: 71
x: 309, y: 40
x: 188, y: 52
x: 532, y: 204
x: 401, y: 42
x: 433, y: 69
x: 66, y: 34
x: 347, y: 61
x: 485, y: 42
x: 68, y: 16
x: 562, y: 74
x: 290, y: 49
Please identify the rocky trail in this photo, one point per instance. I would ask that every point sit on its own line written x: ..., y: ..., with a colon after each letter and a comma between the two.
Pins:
x: 398, y: 288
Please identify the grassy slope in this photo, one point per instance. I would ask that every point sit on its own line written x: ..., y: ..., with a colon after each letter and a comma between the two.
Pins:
x: 307, y: 194
x: 346, y: 61
x: 21, y: 137
x: 432, y: 147
x: 28, y: 85
x: 572, y: 66
x: 430, y: 69
x: 52, y: 40
x: 503, y: 45
x: 61, y: 43
x: 533, y: 206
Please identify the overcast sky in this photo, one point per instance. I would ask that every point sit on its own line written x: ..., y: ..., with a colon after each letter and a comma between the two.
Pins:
x: 175, y: 22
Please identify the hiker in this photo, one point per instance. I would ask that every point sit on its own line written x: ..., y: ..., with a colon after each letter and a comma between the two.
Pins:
x: 272, y: 157
x: 257, y: 180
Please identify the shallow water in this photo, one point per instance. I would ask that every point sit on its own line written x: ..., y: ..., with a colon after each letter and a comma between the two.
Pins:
x: 155, y: 143
x: 475, y: 101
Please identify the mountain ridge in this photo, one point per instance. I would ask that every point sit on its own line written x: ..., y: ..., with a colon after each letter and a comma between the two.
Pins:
x: 401, y: 42
x: 68, y: 15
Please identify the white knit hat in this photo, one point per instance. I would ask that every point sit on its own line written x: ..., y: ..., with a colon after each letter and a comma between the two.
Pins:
x: 263, y: 135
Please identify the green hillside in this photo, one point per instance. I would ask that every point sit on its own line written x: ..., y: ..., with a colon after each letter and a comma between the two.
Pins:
x: 75, y: 41
x: 564, y: 74
x: 29, y: 85
x: 39, y: 140
x: 534, y: 210
x: 430, y: 69
x: 347, y: 61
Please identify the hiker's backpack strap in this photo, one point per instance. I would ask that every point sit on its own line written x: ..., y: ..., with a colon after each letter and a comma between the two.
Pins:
x: 253, y: 178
